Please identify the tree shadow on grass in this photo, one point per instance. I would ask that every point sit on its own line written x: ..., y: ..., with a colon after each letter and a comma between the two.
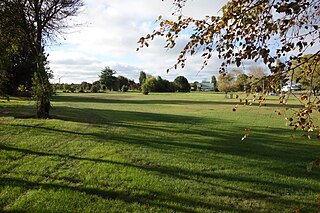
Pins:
x: 163, y: 199
x: 146, y: 101
x: 106, y: 116
x: 264, y: 145
x: 151, y: 198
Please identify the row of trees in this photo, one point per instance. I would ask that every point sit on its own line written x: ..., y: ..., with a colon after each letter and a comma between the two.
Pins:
x: 119, y: 83
x: 237, y: 80
x: 110, y: 82
x: 255, y: 80
x: 151, y: 84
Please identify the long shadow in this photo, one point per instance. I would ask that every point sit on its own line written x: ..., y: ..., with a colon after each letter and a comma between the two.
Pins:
x: 99, y: 116
x: 173, y: 172
x: 162, y: 200
x: 157, y: 101
x: 262, y: 146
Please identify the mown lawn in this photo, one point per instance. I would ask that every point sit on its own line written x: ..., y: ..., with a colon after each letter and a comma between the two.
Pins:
x: 157, y: 153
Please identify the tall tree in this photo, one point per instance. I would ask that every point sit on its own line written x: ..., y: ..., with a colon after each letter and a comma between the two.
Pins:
x: 41, y: 22
x: 16, y: 60
x: 214, y: 82
x: 107, y: 78
x: 142, y: 77
x: 257, y: 78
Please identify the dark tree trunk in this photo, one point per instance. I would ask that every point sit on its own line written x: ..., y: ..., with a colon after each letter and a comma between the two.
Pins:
x: 42, y: 88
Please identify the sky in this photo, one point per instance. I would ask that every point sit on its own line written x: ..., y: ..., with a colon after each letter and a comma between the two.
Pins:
x: 108, y: 35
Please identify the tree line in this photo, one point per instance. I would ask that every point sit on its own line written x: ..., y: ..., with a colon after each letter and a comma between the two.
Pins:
x: 255, y: 80
x: 108, y: 81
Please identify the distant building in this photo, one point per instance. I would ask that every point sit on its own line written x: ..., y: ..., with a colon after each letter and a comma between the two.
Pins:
x: 289, y: 88
x: 205, y: 86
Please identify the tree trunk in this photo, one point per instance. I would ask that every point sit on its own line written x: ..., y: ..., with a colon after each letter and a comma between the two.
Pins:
x: 42, y: 88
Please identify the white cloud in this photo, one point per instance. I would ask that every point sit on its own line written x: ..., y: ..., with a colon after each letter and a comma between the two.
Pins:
x: 109, y: 35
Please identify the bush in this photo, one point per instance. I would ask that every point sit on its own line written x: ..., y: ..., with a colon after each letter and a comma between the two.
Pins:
x: 94, y: 89
x: 145, y: 89
x: 124, y: 88
x: 23, y: 91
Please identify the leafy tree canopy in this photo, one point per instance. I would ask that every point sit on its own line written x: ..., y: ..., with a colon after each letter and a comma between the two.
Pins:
x: 107, y: 78
x: 274, y: 32
x: 308, y: 74
x: 182, y: 84
x: 142, y: 77
x: 35, y: 22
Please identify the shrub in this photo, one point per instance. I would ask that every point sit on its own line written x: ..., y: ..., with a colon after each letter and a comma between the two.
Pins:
x: 124, y: 88
x: 94, y: 89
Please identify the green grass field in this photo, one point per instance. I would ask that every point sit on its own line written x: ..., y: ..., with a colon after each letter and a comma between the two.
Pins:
x: 157, y: 153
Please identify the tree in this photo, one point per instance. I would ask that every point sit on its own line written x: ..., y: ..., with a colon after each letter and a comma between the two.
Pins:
x: 107, y: 78
x: 41, y: 21
x: 16, y: 60
x: 84, y: 86
x: 152, y: 84
x: 241, y: 83
x: 246, y: 30
x: 142, y: 77
x: 96, y: 86
x: 257, y: 80
x: 123, y: 83
x: 182, y: 84
x: 257, y: 72
x: 308, y: 75
x: 132, y: 85
x: 225, y: 83
x: 214, y: 82
x: 149, y: 85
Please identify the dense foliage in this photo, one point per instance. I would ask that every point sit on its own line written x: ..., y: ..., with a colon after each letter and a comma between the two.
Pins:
x: 26, y: 27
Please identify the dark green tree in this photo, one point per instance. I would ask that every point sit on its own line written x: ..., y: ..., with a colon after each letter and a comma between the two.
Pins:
x: 39, y: 22
x: 142, y: 77
x: 164, y: 85
x: 16, y: 60
x: 181, y: 84
x: 84, y: 86
x: 214, y: 82
x: 96, y: 86
x: 123, y: 83
x: 107, y: 78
